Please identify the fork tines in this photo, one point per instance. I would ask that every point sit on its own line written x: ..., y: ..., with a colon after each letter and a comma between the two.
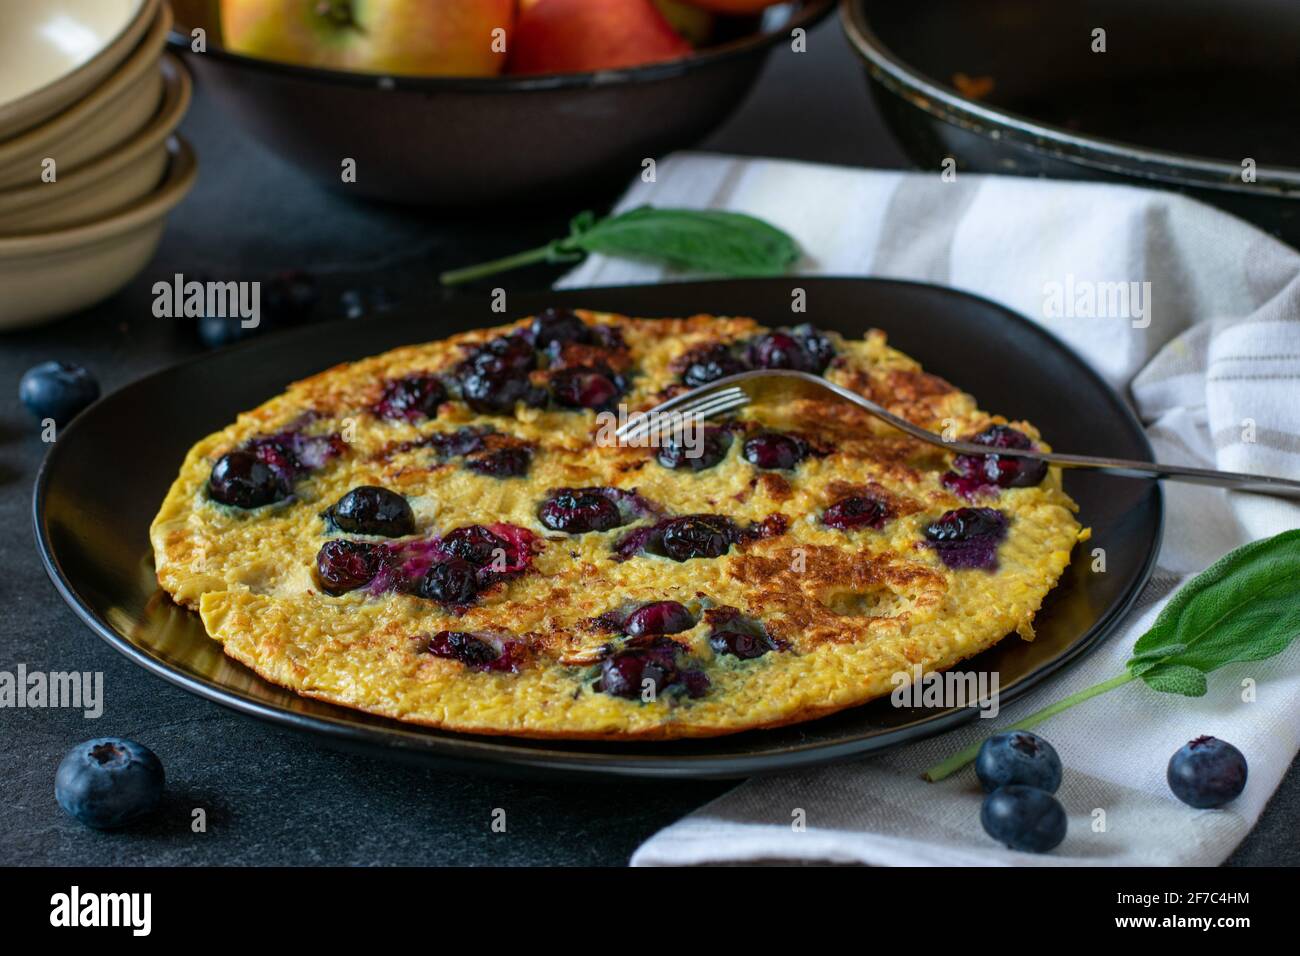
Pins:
x: 659, y: 420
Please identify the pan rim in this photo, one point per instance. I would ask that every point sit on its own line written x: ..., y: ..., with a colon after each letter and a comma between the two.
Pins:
x: 1111, y: 155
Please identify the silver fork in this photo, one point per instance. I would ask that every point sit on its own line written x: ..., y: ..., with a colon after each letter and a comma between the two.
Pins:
x: 736, y: 391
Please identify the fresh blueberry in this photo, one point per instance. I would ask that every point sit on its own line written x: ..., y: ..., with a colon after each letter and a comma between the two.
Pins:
x: 968, y: 537
x: 1018, y: 757
x: 579, y: 510
x: 1024, y: 818
x: 353, y: 304
x: 708, y: 364
x: 242, y: 479
x: 108, y: 782
x: 772, y: 450
x: 583, y: 388
x: 411, y: 398
x: 1207, y: 773
x: 451, y: 582
x: 474, y: 544
x: 358, y: 303
x: 218, y: 331
x: 696, y: 536
x: 557, y: 327
x: 57, y: 390
x: 659, y: 617
x: 703, y: 448
x: 857, y: 511
x: 372, y: 510
x: 343, y: 565
x: 289, y: 298
x: 1002, y: 472
x: 502, y: 463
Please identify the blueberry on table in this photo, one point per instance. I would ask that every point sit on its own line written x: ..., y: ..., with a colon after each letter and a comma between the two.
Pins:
x: 370, y: 509
x: 289, y: 298
x: 108, y: 782
x: 57, y: 390
x: 1207, y: 773
x: 243, y: 480
x: 218, y: 331
x: 1024, y: 818
x: 1018, y: 757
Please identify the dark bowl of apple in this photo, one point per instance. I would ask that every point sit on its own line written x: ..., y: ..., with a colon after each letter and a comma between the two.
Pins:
x: 544, y: 130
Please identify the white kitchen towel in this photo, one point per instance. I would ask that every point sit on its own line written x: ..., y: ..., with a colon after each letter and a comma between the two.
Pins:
x: 1207, y: 346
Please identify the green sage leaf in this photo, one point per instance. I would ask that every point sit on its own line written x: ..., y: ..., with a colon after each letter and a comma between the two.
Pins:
x: 1245, y: 607
x: 708, y: 240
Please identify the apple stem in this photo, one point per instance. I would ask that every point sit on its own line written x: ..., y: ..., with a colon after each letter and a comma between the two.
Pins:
x: 551, y: 252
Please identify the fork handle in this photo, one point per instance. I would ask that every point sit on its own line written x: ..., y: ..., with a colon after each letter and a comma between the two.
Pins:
x: 1262, y: 484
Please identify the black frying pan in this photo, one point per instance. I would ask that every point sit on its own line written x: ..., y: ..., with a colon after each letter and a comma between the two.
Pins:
x: 1185, y: 93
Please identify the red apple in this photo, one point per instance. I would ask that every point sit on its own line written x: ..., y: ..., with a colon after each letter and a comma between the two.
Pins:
x: 574, y: 36
x: 400, y: 37
x: 740, y: 7
x: 693, y: 23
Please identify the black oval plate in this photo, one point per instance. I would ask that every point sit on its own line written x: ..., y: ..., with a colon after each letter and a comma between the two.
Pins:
x: 93, y: 532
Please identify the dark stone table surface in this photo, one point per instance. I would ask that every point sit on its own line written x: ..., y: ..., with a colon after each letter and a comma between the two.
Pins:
x: 272, y: 797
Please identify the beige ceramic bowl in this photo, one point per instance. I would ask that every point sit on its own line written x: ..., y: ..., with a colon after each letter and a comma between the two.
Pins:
x: 108, y: 184
x: 56, y: 273
x: 54, y: 52
x: 112, y: 114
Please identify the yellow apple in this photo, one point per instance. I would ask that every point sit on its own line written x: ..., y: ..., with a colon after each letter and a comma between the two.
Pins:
x: 400, y: 37
x: 691, y: 22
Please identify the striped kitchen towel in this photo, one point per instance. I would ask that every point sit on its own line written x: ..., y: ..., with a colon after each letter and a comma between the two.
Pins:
x: 1189, y: 312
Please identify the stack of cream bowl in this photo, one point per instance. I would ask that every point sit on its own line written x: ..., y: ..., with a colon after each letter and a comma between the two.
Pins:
x: 89, y: 163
